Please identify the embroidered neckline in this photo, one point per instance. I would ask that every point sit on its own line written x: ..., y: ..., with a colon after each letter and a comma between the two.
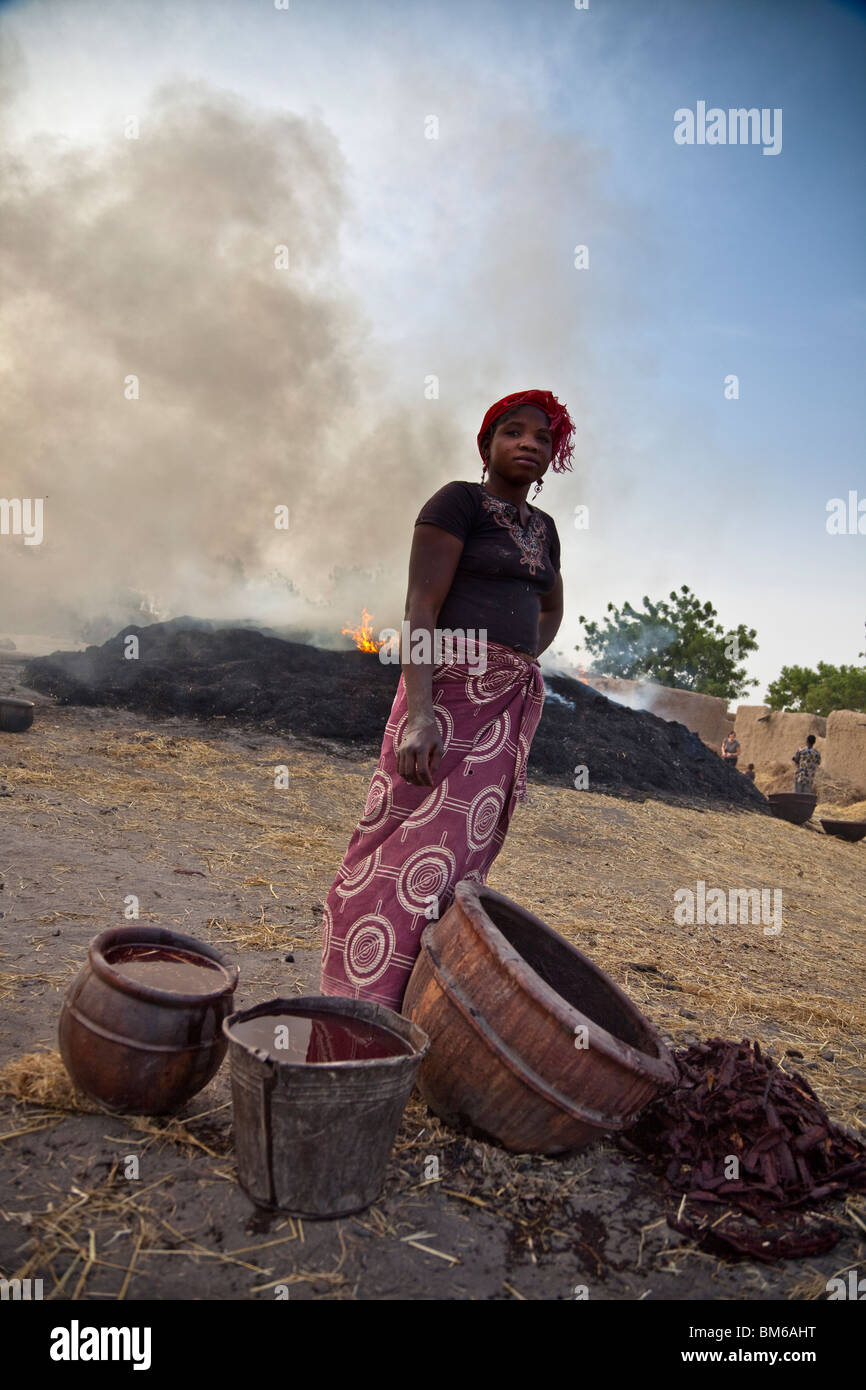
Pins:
x: 529, y: 539
x: 533, y: 511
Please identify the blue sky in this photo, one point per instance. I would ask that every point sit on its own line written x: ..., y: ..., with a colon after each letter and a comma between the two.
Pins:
x: 556, y: 128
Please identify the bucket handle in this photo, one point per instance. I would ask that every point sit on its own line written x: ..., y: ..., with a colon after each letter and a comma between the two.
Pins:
x: 267, y: 1081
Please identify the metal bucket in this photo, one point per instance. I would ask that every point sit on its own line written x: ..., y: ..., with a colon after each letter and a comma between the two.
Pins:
x: 314, y: 1139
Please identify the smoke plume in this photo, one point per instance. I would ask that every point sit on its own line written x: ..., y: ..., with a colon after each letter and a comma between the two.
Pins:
x: 169, y: 384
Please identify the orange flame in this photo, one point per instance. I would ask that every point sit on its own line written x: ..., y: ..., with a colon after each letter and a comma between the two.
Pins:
x: 581, y: 675
x: 363, y: 634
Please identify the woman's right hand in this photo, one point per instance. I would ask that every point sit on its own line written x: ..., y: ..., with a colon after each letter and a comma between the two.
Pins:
x: 420, y: 750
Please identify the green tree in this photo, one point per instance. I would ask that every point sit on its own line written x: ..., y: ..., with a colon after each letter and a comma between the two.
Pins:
x: 677, y: 643
x: 805, y: 691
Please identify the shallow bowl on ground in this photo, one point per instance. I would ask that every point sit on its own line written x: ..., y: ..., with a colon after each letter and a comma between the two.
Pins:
x: 15, y: 715
x: 136, y: 1048
x: 796, y: 807
x: 852, y: 830
x: 531, y: 1044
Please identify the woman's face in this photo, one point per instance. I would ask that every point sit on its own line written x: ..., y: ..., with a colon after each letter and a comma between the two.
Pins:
x: 522, y: 446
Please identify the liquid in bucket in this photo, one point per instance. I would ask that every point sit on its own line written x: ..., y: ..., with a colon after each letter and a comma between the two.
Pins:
x: 166, y: 967
x: 318, y: 1038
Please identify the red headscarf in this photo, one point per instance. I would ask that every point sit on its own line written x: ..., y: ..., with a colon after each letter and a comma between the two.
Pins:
x: 561, y: 425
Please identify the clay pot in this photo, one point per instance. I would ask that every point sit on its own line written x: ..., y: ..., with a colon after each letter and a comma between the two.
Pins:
x: 531, y: 1044
x: 139, y: 1049
x: 852, y: 830
x: 796, y: 807
x: 15, y: 715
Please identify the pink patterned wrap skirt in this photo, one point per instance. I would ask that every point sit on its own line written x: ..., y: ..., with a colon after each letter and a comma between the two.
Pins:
x: 414, y: 843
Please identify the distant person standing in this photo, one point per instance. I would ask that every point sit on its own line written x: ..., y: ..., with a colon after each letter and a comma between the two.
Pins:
x: 731, y: 749
x: 807, y: 761
x: 750, y: 772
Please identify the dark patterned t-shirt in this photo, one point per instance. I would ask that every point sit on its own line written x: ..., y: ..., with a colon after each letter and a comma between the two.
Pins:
x: 504, y: 569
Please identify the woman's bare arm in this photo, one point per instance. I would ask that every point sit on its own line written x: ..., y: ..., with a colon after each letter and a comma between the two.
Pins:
x: 432, y: 565
x: 550, y: 616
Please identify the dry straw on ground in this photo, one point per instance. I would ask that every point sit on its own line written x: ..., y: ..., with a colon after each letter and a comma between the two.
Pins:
x: 72, y: 1242
x: 40, y: 1079
x: 599, y: 869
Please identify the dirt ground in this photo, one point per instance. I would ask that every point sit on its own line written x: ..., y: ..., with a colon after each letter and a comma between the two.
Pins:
x: 99, y: 804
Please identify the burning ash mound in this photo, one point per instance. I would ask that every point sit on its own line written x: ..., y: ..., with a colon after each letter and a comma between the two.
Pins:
x: 192, y: 668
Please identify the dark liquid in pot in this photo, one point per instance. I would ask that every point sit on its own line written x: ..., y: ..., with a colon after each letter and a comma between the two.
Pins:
x: 165, y: 967
x: 318, y: 1038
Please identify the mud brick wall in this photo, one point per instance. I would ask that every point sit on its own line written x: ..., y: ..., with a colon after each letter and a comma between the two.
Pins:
x: 845, y: 753
x: 770, y: 738
x: 706, y: 715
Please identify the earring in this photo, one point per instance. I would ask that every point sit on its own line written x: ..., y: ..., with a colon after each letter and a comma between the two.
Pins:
x: 483, y: 471
x: 538, y: 487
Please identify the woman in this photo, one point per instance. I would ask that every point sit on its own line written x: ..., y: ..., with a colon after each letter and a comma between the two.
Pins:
x: 456, y: 745
x: 807, y: 761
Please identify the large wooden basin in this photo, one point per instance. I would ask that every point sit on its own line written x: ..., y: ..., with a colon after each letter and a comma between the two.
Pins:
x: 507, y: 1002
x: 852, y: 830
x: 796, y: 807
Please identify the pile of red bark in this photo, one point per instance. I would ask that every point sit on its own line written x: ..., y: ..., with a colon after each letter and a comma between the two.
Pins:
x: 752, y: 1149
